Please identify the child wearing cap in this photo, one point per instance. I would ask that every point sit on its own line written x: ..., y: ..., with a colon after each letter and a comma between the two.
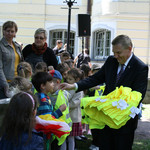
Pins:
x: 59, y: 97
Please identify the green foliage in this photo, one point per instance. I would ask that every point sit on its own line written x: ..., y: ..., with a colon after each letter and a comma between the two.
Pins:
x: 141, y: 144
x: 83, y: 145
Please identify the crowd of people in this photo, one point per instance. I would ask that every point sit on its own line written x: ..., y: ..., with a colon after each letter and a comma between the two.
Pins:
x: 40, y: 80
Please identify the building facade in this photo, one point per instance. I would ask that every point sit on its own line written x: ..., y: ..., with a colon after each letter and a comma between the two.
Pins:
x: 109, y: 18
x: 113, y: 17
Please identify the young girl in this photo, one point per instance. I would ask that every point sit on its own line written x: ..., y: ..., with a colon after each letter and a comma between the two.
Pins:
x: 18, y: 124
x: 74, y: 75
x: 63, y: 69
x: 41, y: 67
x: 16, y: 85
x: 20, y: 83
x: 24, y: 69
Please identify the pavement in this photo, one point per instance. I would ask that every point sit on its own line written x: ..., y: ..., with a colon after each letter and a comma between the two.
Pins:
x: 143, y: 129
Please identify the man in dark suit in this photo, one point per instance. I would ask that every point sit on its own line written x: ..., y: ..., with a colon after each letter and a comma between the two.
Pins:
x: 125, y: 69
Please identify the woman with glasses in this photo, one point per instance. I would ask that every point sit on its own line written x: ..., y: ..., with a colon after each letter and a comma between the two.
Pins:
x: 10, y: 56
x: 39, y: 51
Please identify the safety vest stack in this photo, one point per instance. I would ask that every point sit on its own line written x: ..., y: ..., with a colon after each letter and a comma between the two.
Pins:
x: 113, y: 110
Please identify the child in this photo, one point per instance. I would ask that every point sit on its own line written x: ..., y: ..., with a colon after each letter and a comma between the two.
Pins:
x: 50, y: 68
x: 59, y: 97
x: 74, y: 75
x: 69, y: 62
x: 64, y: 56
x: 43, y: 83
x: 20, y: 83
x: 95, y: 67
x: 87, y: 72
x: 57, y: 77
x: 99, y: 89
x: 41, y: 67
x: 86, y: 69
x: 63, y: 69
x: 24, y: 69
x: 18, y: 124
x: 16, y: 85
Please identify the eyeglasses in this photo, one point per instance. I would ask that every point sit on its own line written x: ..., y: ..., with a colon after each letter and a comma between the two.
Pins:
x: 41, y: 38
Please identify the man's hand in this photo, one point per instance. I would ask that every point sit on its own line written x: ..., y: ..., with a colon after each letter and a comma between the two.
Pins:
x: 66, y: 86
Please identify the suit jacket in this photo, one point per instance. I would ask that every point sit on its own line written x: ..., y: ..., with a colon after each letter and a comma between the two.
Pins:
x: 134, y: 76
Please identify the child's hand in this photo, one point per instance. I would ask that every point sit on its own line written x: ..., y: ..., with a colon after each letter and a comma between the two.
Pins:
x: 62, y: 107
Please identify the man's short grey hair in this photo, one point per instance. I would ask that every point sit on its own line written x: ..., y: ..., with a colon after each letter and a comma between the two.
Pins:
x: 41, y: 30
x: 124, y: 40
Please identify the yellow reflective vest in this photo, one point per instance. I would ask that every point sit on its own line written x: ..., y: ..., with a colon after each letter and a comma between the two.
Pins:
x: 85, y: 118
x: 100, y: 91
x: 62, y: 98
x: 113, y: 109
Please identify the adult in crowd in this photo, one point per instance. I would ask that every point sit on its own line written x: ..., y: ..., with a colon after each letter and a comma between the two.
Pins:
x: 83, y: 58
x: 39, y: 51
x: 122, y: 69
x: 58, y: 47
x: 10, y: 56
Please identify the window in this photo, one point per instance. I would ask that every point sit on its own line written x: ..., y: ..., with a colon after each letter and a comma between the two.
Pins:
x: 102, y: 44
x: 62, y: 35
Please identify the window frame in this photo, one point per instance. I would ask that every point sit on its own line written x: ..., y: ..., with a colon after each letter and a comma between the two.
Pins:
x: 97, y: 41
x: 62, y: 37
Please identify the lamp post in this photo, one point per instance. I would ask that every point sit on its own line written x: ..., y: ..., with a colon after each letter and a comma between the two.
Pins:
x: 69, y: 3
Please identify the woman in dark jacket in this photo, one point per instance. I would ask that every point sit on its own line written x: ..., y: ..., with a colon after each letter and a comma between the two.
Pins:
x: 39, y: 51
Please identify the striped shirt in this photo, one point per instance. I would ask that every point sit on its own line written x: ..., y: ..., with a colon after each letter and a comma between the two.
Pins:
x: 45, y: 106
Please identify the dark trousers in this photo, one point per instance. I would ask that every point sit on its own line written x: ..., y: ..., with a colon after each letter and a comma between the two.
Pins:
x: 54, y: 145
x: 110, y: 139
x: 95, y: 136
x: 3, y: 107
